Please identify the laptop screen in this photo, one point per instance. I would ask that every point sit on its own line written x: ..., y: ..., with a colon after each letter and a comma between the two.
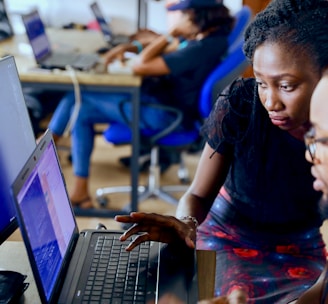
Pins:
x: 36, y: 34
x: 45, y: 213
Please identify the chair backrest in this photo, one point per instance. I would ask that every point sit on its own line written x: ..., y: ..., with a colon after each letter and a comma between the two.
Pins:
x: 243, y: 18
x: 229, y: 68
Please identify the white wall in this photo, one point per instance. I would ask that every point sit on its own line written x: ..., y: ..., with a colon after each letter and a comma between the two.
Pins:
x: 122, y: 13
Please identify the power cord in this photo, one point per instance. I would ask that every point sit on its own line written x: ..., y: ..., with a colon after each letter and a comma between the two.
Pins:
x: 101, y: 226
x: 77, y: 104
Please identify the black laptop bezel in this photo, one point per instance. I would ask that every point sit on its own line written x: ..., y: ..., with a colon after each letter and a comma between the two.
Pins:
x: 4, y: 18
x: 16, y: 186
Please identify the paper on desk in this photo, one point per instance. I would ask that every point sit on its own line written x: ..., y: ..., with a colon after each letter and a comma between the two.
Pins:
x: 119, y: 67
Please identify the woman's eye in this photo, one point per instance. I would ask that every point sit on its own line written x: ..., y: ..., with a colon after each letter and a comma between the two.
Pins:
x: 261, y: 84
x: 286, y: 87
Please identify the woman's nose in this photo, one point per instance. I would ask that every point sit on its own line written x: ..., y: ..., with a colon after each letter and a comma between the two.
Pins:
x: 272, y: 102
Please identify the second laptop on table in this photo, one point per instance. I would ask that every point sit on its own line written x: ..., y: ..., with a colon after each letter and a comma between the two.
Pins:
x: 45, y: 56
x: 106, y: 29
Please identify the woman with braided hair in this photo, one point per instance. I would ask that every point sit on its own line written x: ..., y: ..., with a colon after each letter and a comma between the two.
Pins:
x: 264, y: 223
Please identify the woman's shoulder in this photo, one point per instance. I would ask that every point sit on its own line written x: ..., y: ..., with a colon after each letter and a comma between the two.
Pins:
x: 232, y: 115
x: 239, y: 96
x: 244, y: 88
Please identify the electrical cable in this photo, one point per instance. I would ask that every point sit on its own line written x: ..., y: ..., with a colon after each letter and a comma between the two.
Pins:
x: 101, y: 226
x: 77, y: 104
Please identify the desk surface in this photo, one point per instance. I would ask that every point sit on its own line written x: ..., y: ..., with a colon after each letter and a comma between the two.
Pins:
x: 13, y: 256
x: 64, y: 40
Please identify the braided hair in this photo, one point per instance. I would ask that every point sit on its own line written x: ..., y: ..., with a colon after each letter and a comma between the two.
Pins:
x: 298, y: 25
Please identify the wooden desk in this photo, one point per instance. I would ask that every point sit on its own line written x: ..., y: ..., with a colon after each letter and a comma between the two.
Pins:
x: 95, y: 80
x: 13, y: 256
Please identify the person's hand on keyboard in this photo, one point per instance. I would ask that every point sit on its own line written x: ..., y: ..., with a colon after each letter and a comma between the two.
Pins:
x: 160, y: 228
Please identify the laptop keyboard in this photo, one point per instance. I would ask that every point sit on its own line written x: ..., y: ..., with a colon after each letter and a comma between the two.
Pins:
x: 117, y: 276
x: 76, y: 60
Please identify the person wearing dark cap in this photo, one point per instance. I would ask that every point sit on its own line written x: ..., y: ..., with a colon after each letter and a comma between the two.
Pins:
x: 173, y: 74
x: 185, y: 4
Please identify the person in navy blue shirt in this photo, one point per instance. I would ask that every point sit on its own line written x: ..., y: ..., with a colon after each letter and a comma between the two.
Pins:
x: 173, y: 67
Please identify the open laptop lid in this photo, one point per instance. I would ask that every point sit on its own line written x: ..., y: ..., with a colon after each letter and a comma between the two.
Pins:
x: 104, y: 26
x: 45, y: 217
x: 6, y: 30
x: 17, y: 140
x: 36, y: 35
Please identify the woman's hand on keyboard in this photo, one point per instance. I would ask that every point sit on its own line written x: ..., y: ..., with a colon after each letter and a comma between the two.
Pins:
x: 156, y: 227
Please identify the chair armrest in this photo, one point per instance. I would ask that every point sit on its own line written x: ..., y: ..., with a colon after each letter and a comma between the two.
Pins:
x: 178, y: 115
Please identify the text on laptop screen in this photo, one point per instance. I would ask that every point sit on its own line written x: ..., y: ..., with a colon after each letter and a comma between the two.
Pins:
x: 44, y: 210
x: 35, y: 31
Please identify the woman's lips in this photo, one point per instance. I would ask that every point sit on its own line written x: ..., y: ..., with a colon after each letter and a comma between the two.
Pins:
x: 278, y: 120
x: 318, y: 185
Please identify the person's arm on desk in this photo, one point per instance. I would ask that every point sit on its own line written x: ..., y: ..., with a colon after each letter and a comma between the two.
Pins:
x: 138, y: 42
x: 144, y: 36
x: 150, y: 61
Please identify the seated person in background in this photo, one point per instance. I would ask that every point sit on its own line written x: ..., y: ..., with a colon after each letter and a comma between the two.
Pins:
x: 252, y: 193
x: 175, y: 78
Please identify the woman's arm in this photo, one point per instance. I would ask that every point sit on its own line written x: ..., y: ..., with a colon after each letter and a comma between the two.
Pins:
x: 150, y: 61
x: 210, y: 176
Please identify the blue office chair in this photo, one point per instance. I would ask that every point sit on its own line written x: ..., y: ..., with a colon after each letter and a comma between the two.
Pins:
x: 242, y: 19
x: 231, y: 67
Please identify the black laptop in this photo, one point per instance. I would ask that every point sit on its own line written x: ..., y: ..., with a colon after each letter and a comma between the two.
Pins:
x: 6, y: 30
x: 42, y: 50
x: 105, y: 27
x: 90, y: 266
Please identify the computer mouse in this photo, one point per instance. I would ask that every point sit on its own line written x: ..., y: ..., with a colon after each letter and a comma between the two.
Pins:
x: 103, y: 50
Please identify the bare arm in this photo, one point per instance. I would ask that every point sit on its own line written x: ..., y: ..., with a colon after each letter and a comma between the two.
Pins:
x: 209, y: 177
x: 150, y: 61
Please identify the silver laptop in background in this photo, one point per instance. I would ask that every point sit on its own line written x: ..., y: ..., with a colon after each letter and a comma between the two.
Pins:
x: 44, y: 55
x: 6, y: 29
x: 65, y: 262
x: 110, y: 38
